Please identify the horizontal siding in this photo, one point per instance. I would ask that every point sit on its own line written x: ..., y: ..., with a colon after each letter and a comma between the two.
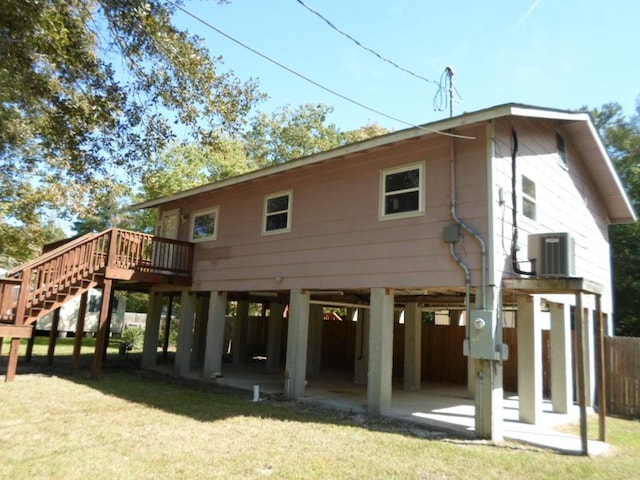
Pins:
x: 336, y: 239
x: 566, y: 198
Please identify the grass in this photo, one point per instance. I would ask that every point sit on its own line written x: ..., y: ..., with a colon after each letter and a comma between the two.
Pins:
x: 135, y: 425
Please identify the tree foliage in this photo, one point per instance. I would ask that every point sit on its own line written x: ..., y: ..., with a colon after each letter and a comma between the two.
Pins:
x: 183, y: 167
x: 621, y: 135
x: 91, y: 90
x: 290, y: 133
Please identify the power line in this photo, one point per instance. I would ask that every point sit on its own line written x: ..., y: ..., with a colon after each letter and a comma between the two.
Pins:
x: 384, y: 59
x: 303, y: 77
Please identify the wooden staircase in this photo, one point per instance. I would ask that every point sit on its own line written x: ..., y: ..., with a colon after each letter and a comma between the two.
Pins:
x: 44, y: 284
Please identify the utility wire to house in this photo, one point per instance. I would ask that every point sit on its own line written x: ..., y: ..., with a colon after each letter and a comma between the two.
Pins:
x: 307, y: 79
x: 384, y: 59
x: 441, y: 100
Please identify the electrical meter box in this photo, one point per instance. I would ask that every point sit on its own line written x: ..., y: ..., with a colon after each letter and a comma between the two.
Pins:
x: 482, y: 334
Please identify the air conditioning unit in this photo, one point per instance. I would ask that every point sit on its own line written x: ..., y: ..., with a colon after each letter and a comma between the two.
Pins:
x: 554, y: 254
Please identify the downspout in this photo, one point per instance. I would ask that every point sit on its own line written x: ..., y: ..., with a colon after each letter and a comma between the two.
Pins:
x: 462, y: 224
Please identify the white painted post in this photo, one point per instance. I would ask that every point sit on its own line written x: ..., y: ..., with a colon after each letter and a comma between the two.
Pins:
x: 412, y: 347
x: 560, y: 346
x: 529, y: 359
x: 297, y: 339
x: 152, y: 331
x: 214, y: 346
x: 380, y: 351
x: 590, y: 357
x: 488, y: 381
x: 185, y: 334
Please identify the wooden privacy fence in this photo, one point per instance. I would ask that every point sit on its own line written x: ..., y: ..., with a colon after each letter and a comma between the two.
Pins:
x: 622, y: 363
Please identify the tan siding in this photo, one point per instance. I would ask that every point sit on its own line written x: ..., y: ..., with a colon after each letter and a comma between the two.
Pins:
x: 336, y: 239
x: 566, y: 198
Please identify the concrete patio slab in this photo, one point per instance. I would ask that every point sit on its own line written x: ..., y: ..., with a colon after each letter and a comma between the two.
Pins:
x: 444, y: 407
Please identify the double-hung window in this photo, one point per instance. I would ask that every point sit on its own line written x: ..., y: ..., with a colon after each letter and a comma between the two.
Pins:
x: 402, y: 191
x: 277, y: 213
x: 204, y: 225
x: 529, y: 198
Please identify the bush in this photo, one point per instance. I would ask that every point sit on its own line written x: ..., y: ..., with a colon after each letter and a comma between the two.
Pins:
x: 134, y: 336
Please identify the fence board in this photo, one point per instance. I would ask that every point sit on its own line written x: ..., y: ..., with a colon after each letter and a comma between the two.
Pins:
x: 622, y: 363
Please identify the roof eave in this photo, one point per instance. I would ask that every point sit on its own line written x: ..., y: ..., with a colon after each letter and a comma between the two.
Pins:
x: 621, y: 204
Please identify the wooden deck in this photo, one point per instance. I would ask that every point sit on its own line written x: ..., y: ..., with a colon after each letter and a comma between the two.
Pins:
x: 111, y: 258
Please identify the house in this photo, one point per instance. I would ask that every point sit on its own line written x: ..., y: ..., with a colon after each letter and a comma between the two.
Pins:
x: 500, y: 213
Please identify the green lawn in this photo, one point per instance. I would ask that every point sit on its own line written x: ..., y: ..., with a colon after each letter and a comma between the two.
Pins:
x: 134, y: 425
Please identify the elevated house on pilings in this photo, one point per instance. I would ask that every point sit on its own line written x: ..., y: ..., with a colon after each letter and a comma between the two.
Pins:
x: 486, y: 217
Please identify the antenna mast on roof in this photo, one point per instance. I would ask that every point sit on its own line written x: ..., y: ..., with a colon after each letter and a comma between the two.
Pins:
x: 449, y: 72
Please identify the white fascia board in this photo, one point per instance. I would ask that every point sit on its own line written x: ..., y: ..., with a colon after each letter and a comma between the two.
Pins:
x: 549, y: 114
x: 622, y: 197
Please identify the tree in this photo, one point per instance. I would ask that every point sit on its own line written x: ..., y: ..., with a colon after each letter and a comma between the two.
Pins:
x: 622, y: 138
x: 182, y: 167
x: 290, y: 133
x: 91, y: 90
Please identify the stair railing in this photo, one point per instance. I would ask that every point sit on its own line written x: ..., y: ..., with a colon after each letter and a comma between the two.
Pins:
x: 33, y: 284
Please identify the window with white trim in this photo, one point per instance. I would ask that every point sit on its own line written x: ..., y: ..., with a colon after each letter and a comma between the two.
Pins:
x: 402, y: 191
x: 204, y: 225
x: 277, y: 212
x: 528, y: 198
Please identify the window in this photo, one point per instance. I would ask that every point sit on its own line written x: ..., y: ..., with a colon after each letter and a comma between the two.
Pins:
x: 277, y: 213
x: 204, y: 225
x: 402, y: 191
x: 562, y: 149
x: 528, y: 198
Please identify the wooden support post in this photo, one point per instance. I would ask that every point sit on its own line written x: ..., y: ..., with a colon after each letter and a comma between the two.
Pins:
x: 53, y: 336
x: 103, y: 329
x: 581, y: 374
x: 29, y: 353
x: 12, y: 364
x: 601, y: 372
x: 77, y: 341
x: 109, y: 318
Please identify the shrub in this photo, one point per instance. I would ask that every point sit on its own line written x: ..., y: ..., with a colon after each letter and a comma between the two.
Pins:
x: 134, y: 336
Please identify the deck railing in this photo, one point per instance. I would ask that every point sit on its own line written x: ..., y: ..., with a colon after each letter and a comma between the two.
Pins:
x: 38, y: 281
x: 148, y: 253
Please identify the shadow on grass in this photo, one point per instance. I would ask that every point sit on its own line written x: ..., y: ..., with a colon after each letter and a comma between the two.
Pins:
x: 202, y: 401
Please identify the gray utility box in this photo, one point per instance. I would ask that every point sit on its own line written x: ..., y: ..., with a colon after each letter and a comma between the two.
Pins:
x: 482, y: 334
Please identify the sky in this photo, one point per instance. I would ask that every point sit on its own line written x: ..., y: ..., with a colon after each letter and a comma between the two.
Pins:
x: 562, y: 54
x: 550, y: 53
